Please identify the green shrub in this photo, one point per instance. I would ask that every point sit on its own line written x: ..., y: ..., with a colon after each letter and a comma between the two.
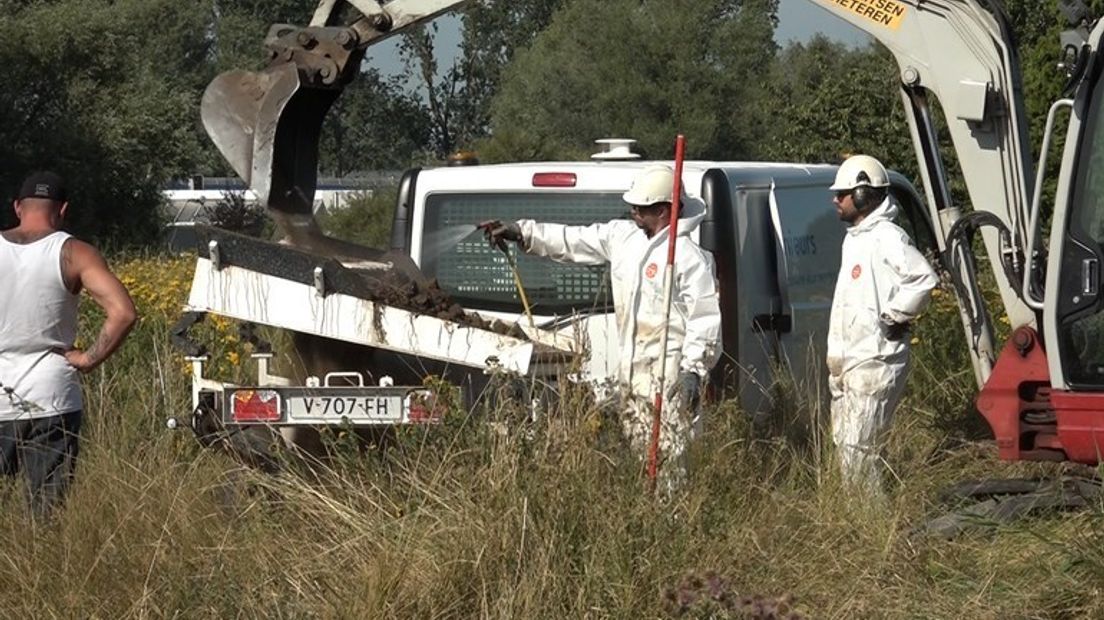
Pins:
x: 365, y: 218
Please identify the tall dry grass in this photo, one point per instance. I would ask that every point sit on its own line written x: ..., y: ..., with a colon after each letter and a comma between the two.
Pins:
x: 523, y: 519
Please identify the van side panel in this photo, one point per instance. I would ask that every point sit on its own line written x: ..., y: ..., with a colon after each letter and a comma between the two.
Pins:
x: 914, y: 219
x: 402, y: 224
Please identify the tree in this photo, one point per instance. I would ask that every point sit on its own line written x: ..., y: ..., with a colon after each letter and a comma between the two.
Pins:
x: 373, y: 125
x: 364, y: 219
x: 457, y: 100
x: 837, y: 100
x: 238, y: 29
x: 641, y: 69
x: 104, y: 93
x: 830, y: 100
x: 1037, y: 25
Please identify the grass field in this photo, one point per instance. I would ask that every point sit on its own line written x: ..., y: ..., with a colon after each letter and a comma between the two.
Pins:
x: 542, y: 520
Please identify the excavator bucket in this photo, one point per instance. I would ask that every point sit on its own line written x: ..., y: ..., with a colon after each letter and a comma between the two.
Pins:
x: 267, y: 123
x: 267, y: 127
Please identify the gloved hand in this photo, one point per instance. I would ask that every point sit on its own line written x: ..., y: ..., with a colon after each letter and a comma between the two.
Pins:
x: 688, y: 387
x: 892, y: 331
x: 498, y: 233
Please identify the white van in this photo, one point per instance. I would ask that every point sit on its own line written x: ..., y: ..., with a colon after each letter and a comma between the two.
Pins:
x: 772, y: 229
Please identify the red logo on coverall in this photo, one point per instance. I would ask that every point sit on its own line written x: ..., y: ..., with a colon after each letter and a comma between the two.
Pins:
x: 856, y: 271
x: 651, y: 270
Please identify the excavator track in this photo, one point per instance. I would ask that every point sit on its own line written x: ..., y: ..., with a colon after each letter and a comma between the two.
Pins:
x: 988, y: 503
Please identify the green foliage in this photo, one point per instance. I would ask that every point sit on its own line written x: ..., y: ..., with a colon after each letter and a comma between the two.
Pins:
x: 829, y: 100
x: 107, y: 94
x: 1037, y: 25
x: 647, y: 70
x: 239, y: 27
x: 365, y: 218
x: 104, y: 93
x: 374, y: 125
x: 457, y: 99
x: 234, y: 213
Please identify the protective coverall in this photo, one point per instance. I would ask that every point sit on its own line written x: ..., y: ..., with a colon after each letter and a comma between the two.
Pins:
x: 637, y: 266
x: 884, y: 283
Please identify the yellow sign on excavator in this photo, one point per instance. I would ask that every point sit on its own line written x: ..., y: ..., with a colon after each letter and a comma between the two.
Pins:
x: 886, y: 13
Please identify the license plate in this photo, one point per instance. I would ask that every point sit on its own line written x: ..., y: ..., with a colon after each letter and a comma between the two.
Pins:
x: 338, y: 409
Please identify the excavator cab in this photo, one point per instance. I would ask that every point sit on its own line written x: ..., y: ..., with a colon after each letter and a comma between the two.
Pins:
x: 1073, y: 307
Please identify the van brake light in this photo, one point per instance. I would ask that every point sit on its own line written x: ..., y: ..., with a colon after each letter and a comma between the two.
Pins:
x: 554, y: 179
x: 424, y: 408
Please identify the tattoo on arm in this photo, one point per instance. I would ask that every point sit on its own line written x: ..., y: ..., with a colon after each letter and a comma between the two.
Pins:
x: 100, y: 348
x: 67, y: 267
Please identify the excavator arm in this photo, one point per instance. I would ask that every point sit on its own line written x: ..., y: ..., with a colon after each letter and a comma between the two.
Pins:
x: 266, y: 123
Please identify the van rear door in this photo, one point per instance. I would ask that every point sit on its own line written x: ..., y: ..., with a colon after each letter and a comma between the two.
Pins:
x: 737, y: 230
x: 808, y: 240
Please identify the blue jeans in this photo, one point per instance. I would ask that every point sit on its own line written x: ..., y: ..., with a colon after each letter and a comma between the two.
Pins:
x: 45, y: 449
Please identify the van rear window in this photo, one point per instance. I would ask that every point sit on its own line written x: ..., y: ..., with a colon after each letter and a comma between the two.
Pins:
x: 479, y: 277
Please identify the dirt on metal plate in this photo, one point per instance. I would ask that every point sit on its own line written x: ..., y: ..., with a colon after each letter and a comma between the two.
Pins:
x: 430, y: 299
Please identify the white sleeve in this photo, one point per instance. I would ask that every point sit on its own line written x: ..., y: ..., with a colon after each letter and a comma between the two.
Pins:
x: 571, y: 244
x: 697, y: 293
x: 915, y: 281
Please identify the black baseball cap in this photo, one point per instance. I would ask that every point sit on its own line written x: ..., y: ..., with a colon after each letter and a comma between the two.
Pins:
x: 47, y: 185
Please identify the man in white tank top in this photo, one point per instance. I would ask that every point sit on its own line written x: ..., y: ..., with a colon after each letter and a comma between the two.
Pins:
x: 42, y: 272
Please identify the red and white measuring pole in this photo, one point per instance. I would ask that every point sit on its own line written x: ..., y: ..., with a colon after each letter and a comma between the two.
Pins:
x: 668, y: 292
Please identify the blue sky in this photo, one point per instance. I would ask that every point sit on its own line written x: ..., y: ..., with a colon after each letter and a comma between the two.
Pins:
x: 798, y: 20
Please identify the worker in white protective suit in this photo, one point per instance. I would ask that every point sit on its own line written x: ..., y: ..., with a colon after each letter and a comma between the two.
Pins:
x: 637, y: 253
x: 884, y: 283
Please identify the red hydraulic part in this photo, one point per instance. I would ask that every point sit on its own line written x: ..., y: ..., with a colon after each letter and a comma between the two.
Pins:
x: 1032, y: 422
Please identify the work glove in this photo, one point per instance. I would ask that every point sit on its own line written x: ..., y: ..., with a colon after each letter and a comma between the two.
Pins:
x: 498, y: 233
x: 688, y: 387
x: 893, y: 331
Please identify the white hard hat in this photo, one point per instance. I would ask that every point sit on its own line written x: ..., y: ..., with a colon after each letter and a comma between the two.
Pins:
x: 860, y: 170
x: 651, y: 185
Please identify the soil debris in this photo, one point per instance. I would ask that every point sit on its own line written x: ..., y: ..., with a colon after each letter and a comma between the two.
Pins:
x: 428, y: 298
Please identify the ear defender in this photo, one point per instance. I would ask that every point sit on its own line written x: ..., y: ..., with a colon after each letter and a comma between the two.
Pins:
x: 864, y: 196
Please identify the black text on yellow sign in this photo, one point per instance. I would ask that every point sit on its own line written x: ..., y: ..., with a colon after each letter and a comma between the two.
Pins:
x: 885, y: 13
